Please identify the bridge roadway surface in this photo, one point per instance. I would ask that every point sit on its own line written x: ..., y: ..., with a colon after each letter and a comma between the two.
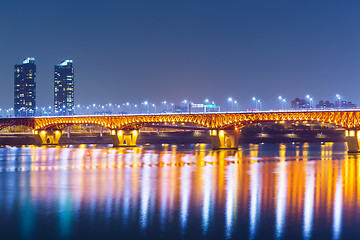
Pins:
x: 224, y: 127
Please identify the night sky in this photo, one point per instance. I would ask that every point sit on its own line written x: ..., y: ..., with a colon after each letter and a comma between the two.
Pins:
x: 174, y: 50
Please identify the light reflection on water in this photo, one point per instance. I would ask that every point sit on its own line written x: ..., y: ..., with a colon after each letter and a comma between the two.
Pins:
x: 278, y: 191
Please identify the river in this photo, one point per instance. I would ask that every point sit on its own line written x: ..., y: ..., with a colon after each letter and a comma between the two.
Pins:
x: 260, y: 191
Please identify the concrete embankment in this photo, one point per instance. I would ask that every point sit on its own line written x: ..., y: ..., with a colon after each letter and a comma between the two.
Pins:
x: 75, y: 139
x: 182, y: 138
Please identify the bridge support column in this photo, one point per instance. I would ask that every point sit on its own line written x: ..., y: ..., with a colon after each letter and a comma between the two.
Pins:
x: 352, y: 139
x: 68, y: 132
x: 48, y: 137
x: 224, y: 139
x: 124, y: 138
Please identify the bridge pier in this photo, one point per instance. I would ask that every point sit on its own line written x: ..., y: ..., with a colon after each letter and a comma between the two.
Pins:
x: 124, y: 138
x: 224, y: 139
x: 48, y: 137
x: 352, y: 140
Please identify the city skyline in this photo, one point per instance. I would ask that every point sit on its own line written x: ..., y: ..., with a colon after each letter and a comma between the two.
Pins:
x: 64, y: 103
x: 204, y: 50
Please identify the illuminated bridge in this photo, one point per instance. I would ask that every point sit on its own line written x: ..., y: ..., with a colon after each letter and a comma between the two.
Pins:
x: 224, y: 127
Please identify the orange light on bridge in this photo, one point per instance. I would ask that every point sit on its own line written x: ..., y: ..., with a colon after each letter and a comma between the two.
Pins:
x: 213, y: 132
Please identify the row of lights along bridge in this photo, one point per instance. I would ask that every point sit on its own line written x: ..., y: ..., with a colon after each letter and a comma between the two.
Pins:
x: 186, y: 106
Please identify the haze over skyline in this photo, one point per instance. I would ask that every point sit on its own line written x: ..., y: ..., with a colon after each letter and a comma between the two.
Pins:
x: 131, y: 51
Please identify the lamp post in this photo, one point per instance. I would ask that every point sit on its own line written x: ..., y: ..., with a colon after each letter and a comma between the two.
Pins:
x: 164, y: 106
x: 206, y: 102
x: 255, y: 102
x: 284, y: 102
x: 146, y: 105
x: 280, y: 102
x: 339, y: 100
x: 310, y: 101
x: 230, y: 100
x: 236, y: 106
x: 259, y: 101
x: 185, y: 102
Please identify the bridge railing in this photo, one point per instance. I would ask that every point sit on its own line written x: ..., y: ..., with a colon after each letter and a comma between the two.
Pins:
x: 199, y: 113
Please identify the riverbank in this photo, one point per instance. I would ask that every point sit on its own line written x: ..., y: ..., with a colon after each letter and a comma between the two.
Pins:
x: 187, y: 137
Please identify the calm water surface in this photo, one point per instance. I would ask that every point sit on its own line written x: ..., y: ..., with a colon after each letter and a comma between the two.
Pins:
x: 266, y: 191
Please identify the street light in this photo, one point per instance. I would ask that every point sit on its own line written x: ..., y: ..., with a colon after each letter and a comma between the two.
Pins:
x: 187, y: 105
x: 146, y: 104
x: 164, y: 106
x: 255, y: 103
x: 284, y: 101
x: 280, y: 102
x: 230, y: 100
x: 205, y: 103
x: 339, y: 98
x: 236, y: 105
x: 310, y: 100
x: 259, y: 104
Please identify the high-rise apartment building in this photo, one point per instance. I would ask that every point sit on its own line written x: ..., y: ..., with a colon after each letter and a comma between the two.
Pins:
x: 25, y: 88
x: 64, y: 88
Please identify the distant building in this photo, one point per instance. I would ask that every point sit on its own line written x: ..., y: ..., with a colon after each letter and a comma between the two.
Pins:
x: 298, y: 103
x: 181, y: 109
x: 25, y: 88
x: 324, y: 105
x: 344, y: 104
x: 337, y: 104
x: 191, y: 107
x: 64, y: 88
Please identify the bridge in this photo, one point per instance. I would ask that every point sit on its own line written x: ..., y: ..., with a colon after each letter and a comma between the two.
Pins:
x: 224, y: 128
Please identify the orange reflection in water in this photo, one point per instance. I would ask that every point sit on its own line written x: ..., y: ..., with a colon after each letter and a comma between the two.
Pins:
x: 293, y: 185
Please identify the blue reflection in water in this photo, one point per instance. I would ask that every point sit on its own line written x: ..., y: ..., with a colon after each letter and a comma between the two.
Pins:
x: 127, y: 183
x: 255, y: 198
x: 185, y: 196
x: 145, y: 197
x: 65, y: 200
x: 206, y: 197
x: 164, y: 173
x: 337, y: 221
x: 82, y: 193
x: 230, y: 195
x: 309, y: 201
x: 27, y: 221
x: 281, y: 201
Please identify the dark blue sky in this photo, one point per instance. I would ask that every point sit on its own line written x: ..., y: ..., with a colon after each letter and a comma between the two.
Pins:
x: 174, y: 50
